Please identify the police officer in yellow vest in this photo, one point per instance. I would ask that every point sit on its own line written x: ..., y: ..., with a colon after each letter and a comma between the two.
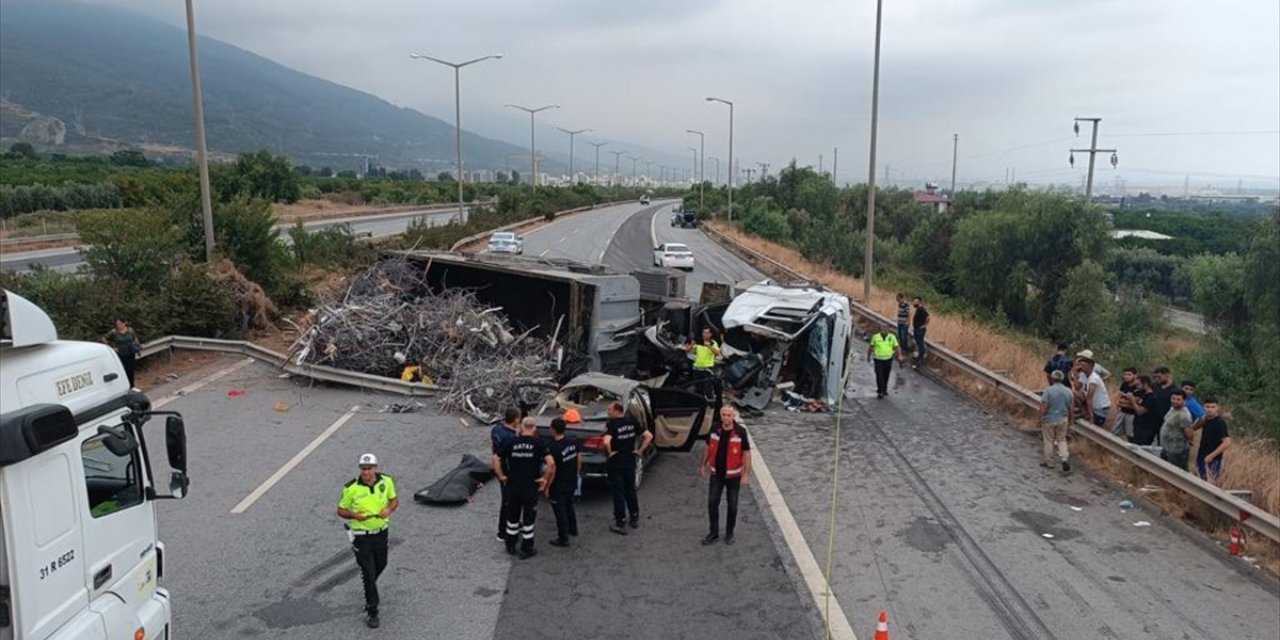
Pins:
x: 367, y: 504
x: 705, y: 352
x: 884, y: 346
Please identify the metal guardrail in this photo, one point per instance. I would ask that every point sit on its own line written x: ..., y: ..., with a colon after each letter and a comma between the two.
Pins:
x: 52, y: 237
x: 515, y: 225
x: 313, y: 371
x: 1249, y: 514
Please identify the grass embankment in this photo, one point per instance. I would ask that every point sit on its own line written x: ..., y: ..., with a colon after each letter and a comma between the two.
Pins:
x: 1252, y: 464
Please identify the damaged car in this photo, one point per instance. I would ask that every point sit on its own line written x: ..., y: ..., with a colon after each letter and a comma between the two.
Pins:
x: 677, y: 417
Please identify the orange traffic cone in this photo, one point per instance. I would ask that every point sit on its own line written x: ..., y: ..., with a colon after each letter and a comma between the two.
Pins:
x: 882, y: 627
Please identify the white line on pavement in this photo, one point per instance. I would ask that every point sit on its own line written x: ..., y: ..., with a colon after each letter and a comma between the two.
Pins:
x: 653, y: 230
x: 837, y: 623
x: 202, y: 382
x: 293, y: 462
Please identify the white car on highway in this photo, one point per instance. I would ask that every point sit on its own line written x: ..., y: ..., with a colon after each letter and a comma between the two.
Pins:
x: 673, y: 255
x: 506, y: 242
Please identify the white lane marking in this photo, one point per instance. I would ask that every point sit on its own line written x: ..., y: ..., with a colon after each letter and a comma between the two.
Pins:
x: 837, y: 624
x: 653, y: 229
x: 202, y: 382
x: 293, y: 462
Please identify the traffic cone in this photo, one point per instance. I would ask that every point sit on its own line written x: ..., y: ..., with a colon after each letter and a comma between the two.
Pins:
x: 882, y: 627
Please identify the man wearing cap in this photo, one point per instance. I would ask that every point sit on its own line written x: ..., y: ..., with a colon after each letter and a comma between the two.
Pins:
x: 1056, y: 414
x: 525, y: 466
x: 367, y: 504
x: 1092, y: 391
x: 884, y: 346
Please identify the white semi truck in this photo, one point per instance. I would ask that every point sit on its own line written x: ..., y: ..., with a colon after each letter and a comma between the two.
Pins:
x: 80, y: 554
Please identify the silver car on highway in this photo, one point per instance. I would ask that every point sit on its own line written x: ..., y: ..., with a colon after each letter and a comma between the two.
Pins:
x: 506, y: 242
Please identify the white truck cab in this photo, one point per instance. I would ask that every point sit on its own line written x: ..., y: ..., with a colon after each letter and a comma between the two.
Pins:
x: 80, y: 555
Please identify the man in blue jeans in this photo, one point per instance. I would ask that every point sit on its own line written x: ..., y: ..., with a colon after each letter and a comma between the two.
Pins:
x: 904, y: 320
x: 919, y: 324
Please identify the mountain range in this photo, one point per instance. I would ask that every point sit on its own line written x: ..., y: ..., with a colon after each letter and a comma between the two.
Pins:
x: 78, y: 78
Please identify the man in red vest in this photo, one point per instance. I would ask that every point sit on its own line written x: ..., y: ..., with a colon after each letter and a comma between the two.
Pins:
x: 729, y: 461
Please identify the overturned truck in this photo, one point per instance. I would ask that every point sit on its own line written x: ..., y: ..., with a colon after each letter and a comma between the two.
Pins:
x: 591, y: 315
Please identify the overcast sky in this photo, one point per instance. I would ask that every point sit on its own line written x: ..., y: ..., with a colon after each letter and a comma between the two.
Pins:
x: 1007, y: 75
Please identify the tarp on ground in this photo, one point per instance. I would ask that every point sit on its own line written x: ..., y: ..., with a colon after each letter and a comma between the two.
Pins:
x: 457, y: 486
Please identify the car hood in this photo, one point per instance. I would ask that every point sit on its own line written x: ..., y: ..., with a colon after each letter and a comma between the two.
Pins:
x: 781, y: 312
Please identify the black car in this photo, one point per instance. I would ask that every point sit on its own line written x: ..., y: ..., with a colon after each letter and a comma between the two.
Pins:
x: 684, y: 219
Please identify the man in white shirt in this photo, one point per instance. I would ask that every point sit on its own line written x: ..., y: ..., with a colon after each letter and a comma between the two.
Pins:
x: 1092, y: 391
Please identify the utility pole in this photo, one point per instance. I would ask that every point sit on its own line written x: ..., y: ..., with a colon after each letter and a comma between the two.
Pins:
x: 1093, y: 152
x: 648, y: 172
x: 634, y: 163
x: 572, y: 179
x: 835, y: 163
x: 955, y: 146
x: 819, y: 164
x: 764, y: 169
x: 616, y: 156
x: 202, y: 151
x: 868, y: 266
x: 748, y: 171
x: 702, y: 167
x: 597, y: 145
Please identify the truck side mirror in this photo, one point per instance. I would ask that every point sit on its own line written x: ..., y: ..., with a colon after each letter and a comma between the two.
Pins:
x: 119, y: 440
x: 175, y: 441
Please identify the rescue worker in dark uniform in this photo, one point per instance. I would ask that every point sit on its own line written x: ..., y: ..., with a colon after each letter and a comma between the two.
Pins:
x: 564, y: 450
x: 367, y: 504
x: 621, y: 433
x: 729, y: 460
x: 519, y: 465
x: 500, y: 433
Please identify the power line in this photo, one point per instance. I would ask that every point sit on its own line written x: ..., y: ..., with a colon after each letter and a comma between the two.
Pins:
x: 1194, y: 133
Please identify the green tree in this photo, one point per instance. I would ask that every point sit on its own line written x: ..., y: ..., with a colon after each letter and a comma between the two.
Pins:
x: 129, y: 158
x: 245, y: 235
x: 444, y: 176
x: 1218, y: 289
x: 262, y: 174
x: 138, y: 247
x: 23, y: 150
x: 1086, y: 313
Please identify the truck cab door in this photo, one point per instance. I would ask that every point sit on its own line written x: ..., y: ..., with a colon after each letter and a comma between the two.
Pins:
x: 120, y: 531
x: 680, y: 418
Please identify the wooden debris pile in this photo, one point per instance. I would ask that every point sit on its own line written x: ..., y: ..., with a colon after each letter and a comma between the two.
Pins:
x: 388, y: 321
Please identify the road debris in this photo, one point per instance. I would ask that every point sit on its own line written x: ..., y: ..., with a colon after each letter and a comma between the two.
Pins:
x: 1126, y: 505
x: 401, y: 407
x: 389, y: 319
x: 282, y: 407
x: 1142, y: 523
x: 235, y: 393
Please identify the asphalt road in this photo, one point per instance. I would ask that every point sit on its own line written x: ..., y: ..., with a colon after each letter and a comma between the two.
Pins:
x: 941, y: 519
x: 584, y: 236
x: 945, y: 520
x: 376, y: 226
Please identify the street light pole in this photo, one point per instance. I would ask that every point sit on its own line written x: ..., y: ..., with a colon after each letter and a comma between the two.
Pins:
x: 616, y: 156
x: 702, y: 167
x: 709, y: 99
x: 634, y: 163
x: 572, y: 180
x: 597, y: 145
x: 955, y: 147
x: 648, y: 171
x: 457, y: 115
x: 868, y: 259
x: 533, y: 161
x: 202, y: 151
